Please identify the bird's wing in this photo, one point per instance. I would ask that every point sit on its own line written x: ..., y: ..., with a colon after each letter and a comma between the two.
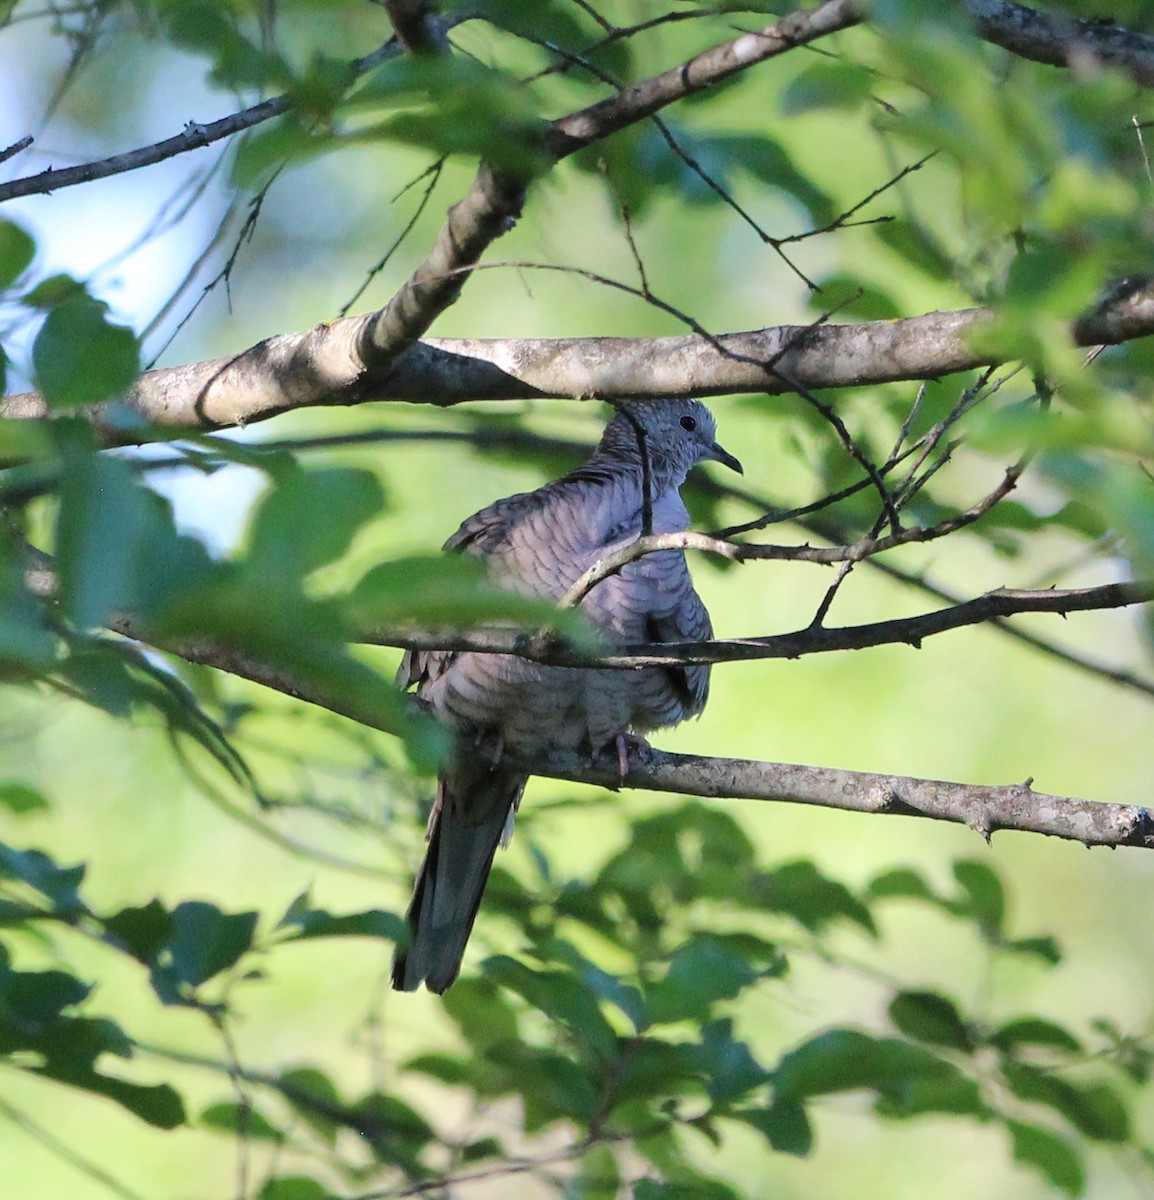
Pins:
x: 685, y: 620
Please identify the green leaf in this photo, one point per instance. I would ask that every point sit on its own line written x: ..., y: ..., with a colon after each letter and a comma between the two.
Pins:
x: 205, y: 941
x: 54, y: 290
x: 159, y: 1104
x: 294, y: 1187
x: 1052, y: 1155
x: 483, y: 1015
x: 372, y: 922
x: 1034, y: 1031
x: 21, y: 798
x: 700, y: 974
x: 17, y: 250
x: 27, y: 641
x: 561, y: 997
x: 826, y: 85
x: 119, y: 677
x: 901, y: 882
x: 308, y: 519
x: 908, y: 1077
x: 240, y: 1121
x: 1045, y: 948
x: 81, y: 357
x: 483, y: 1148
x: 602, y: 984
x: 770, y: 163
x: 655, y: 1068
x: 394, y: 1129
x: 985, y: 897
x: 106, y: 531
x: 58, y: 885
x: 918, y: 247
x: 453, y: 591
x: 784, y: 1124
x: 729, y: 1067
x: 598, y: 1176
x: 447, y: 1068
x: 692, y: 1185
x: 143, y: 931
x: 211, y: 30
x: 553, y: 1087
x: 1095, y: 1110
x: 30, y: 1001
x: 931, y: 1018
x: 313, y: 1095
x: 287, y: 140
x: 801, y: 891
x: 849, y: 296
x: 455, y: 105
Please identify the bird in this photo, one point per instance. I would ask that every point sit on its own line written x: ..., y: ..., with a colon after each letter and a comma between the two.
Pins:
x: 500, y: 707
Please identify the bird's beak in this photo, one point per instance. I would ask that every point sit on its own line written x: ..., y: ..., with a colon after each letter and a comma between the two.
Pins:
x: 723, y: 456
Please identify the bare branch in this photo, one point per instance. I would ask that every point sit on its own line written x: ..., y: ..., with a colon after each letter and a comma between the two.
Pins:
x: 324, y: 366
x: 1063, y: 41
x: 16, y: 148
x: 643, y: 99
x: 984, y: 809
x: 1123, y: 677
x: 648, y: 544
x: 823, y: 639
x: 192, y: 137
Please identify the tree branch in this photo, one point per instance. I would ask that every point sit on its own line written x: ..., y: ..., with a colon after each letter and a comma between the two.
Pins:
x: 192, y: 137
x: 415, y: 27
x: 640, y: 100
x: 984, y: 809
x: 493, y: 202
x: 821, y: 639
x: 652, y: 543
x: 1064, y: 41
x: 323, y: 366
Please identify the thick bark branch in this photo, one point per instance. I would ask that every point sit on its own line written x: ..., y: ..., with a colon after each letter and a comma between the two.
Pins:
x: 1063, y: 41
x: 324, y: 366
x: 984, y: 809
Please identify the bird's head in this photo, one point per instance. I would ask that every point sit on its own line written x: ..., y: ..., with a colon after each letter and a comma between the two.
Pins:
x: 678, y: 434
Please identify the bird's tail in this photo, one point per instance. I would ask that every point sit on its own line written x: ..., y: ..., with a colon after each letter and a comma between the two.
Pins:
x: 471, y: 815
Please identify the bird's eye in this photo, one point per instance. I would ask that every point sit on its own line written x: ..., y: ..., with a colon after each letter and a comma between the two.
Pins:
x: 688, y: 423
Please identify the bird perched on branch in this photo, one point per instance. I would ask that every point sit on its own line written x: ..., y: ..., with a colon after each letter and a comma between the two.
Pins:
x: 539, y: 544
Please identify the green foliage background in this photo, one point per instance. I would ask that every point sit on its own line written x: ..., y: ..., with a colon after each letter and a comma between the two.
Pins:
x: 731, y: 996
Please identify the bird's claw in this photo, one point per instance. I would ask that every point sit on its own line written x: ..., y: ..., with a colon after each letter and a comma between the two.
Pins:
x: 629, y: 746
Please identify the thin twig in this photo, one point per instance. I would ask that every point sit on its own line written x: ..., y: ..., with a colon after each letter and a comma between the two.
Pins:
x: 192, y: 137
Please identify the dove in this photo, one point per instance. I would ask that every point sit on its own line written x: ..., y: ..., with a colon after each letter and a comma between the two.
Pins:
x: 501, y: 707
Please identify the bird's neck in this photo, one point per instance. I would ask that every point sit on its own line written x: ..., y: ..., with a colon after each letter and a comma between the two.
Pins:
x: 610, y: 462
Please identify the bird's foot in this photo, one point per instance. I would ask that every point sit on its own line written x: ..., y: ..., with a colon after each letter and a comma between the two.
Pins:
x: 627, y: 746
